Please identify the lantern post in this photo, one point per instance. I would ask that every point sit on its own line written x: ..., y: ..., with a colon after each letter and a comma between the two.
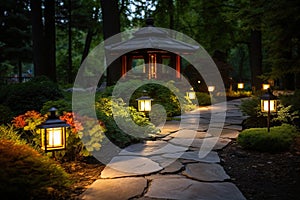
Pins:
x: 268, y: 105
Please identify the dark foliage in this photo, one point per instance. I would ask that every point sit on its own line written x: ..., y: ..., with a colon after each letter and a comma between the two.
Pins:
x: 30, y: 95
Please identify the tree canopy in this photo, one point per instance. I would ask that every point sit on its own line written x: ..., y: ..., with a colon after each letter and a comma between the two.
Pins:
x: 259, y: 39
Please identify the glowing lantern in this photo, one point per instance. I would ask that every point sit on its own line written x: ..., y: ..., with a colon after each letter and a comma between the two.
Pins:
x: 211, y: 88
x: 265, y: 86
x: 144, y: 103
x: 53, y: 133
x: 268, y: 104
x: 191, y: 94
x: 240, y: 85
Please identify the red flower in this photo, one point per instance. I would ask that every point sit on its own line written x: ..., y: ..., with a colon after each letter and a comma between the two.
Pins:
x: 19, y: 121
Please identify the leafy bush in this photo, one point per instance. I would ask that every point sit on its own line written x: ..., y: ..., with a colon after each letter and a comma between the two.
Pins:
x: 278, y: 139
x: 293, y: 102
x: 168, y: 98
x: 105, y: 107
x: 91, y: 131
x: 25, y: 174
x: 30, y: 95
x: 6, y: 114
x: 251, y: 108
x: 84, y: 136
x: 10, y: 133
x: 61, y: 105
x: 239, y: 94
x: 27, y: 126
x: 203, y: 98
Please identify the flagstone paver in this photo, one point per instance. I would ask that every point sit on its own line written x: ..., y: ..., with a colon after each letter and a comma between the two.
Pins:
x: 121, y: 166
x: 211, y: 157
x: 184, y: 188
x: 205, y: 172
x: 182, y: 163
x: 115, y: 189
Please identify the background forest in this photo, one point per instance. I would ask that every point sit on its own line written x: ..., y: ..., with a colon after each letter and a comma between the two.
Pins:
x: 258, y: 39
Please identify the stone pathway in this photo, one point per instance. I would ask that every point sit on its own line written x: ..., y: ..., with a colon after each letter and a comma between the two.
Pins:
x: 182, y: 163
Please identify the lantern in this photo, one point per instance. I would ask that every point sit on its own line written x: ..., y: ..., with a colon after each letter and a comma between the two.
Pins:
x: 211, y: 88
x: 144, y: 103
x: 268, y: 104
x: 265, y: 86
x: 53, y: 133
x: 240, y: 85
x: 191, y: 94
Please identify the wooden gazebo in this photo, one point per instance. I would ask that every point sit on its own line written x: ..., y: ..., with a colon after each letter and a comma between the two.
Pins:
x: 149, y: 47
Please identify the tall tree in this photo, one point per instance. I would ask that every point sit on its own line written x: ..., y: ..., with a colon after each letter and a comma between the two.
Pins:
x: 37, y: 38
x: 111, y: 27
x: 50, y: 39
x: 43, y: 33
x: 15, y: 40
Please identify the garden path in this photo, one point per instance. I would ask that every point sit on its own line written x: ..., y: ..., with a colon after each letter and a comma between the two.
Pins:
x: 182, y: 163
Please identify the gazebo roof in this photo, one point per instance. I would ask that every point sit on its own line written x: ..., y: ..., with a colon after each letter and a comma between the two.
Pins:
x: 151, y: 37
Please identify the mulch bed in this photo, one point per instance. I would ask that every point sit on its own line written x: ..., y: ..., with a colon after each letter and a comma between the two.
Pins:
x: 264, y: 176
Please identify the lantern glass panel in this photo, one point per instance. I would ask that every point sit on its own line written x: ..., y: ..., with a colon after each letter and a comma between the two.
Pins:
x: 265, y: 105
x: 54, y: 137
x: 144, y: 105
x: 240, y: 86
x: 211, y: 88
x: 265, y: 86
x: 191, y: 95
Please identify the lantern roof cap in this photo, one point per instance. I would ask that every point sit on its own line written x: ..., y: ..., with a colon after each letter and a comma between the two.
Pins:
x: 53, y: 121
x: 268, y: 95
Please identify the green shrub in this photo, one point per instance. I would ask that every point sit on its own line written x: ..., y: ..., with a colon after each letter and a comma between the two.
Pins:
x: 30, y: 95
x: 61, y: 105
x: 239, y: 94
x: 10, y: 133
x: 25, y: 174
x: 168, y: 98
x: 6, y: 114
x: 105, y: 113
x: 278, y: 139
x: 203, y: 98
x: 251, y: 108
x: 293, y: 102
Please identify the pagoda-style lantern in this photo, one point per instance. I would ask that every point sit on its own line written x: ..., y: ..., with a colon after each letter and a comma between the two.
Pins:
x: 53, y: 133
x: 211, y: 88
x: 191, y: 94
x: 268, y: 104
x: 144, y: 103
x: 240, y: 85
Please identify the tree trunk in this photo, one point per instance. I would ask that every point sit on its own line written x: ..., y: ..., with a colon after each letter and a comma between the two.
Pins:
x: 171, y: 14
x: 50, y: 38
x: 87, y: 44
x: 111, y: 26
x: 255, y: 59
x: 70, y: 68
x: 37, y: 38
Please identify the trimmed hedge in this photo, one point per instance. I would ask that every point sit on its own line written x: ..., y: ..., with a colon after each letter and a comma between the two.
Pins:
x: 25, y: 174
x: 278, y: 139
